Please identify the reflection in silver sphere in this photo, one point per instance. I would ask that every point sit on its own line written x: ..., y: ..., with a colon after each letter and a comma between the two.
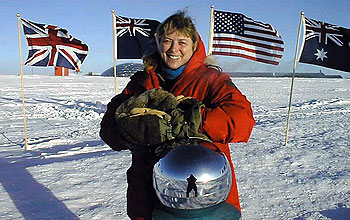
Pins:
x: 192, y: 177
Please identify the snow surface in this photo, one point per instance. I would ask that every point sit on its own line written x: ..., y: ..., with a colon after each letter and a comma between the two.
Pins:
x: 70, y: 173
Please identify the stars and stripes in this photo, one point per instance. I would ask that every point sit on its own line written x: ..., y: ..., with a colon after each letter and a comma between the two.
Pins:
x: 237, y: 35
x: 135, y: 37
x: 49, y: 45
x: 326, y: 45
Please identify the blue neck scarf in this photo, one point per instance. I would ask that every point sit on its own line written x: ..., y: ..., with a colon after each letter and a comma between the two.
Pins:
x: 172, y: 74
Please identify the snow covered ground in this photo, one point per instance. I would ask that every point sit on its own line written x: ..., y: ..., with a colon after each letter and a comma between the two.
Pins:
x: 71, y: 174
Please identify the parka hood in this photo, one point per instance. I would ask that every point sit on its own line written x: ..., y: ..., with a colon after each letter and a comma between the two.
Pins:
x: 197, y: 58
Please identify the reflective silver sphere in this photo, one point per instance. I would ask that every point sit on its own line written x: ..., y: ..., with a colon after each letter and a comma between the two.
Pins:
x: 192, y: 177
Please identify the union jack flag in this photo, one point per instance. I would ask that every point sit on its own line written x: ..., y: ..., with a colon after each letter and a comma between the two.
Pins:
x: 323, y: 32
x: 326, y: 45
x: 135, y: 37
x: 50, y: 45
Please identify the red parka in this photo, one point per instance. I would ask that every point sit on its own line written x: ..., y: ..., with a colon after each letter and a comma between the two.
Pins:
x: 226, y: 118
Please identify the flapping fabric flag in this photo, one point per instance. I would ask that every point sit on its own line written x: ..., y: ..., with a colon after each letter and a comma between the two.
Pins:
x: 135, y: 37
x: 50, y: 45
x: 237, y: 35
x: 326, y: 45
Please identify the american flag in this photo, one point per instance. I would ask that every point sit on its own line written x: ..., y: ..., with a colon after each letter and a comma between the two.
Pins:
x: 237, y: 35
x: 326, y: 45
x: 50, y: 45
x: 135, y: 37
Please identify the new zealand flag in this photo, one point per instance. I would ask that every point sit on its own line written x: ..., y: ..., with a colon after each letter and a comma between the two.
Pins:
x: 50, y: 45
x: 326, y: 45
x: 135, y: 37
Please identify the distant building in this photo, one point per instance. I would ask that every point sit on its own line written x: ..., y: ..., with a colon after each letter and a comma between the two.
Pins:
x: 276, y: 75
x: 124, y: 69
x: 61, y: 71
x: 128, y: 69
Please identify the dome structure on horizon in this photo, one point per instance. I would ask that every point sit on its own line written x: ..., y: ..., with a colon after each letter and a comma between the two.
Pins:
x: 124, y: 69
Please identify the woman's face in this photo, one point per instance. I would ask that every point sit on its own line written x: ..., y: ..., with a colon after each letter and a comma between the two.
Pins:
x: 175, y: 49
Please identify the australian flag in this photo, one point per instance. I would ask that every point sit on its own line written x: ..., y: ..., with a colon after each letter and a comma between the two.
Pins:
x: 50, y: 45
x: 135, y: 37
x: 326, y: 45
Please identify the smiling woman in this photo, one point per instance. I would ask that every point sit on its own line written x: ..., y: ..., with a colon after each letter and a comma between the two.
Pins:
x: 211, y: 106
x: 175, y: 49
x: 177, y: 39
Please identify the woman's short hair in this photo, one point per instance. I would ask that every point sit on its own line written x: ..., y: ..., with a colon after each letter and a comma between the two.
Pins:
x: 178, y: 22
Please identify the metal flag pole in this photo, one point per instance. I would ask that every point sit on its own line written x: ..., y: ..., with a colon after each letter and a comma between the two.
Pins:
x: 114, y: 51
x: 26, y: 146
x: 211, y: 30
x: 292, y: 83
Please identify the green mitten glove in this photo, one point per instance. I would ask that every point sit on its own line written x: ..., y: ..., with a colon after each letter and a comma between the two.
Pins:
x: 186, y: 119
x: 142, y: 121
